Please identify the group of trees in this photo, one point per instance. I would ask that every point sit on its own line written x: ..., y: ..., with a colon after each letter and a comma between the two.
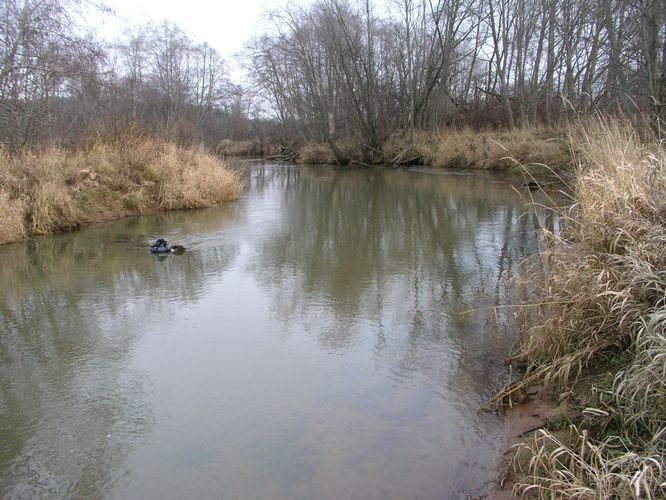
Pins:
x: 59, y: 83
x: 348, y: 68
x: 335, y: 69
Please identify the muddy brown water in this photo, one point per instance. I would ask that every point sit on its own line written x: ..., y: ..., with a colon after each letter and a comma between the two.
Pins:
x: 329, y: 335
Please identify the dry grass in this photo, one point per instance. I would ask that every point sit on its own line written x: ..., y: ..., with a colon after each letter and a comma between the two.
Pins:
x: 57, y: 190
x: 408, y: 149
x: 596, y: 299
x: 315, y: 154
x: 607, y: 271
x: 576, y: 466
x: 228, y: 147
x: 487, y: 150
x: 618, y: 450
x: 52, y: 209
x: 191, y: 179
x: 11, y: 218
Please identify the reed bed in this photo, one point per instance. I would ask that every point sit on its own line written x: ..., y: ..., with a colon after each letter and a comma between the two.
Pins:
x: 595, y: 303
x: 53, y: 190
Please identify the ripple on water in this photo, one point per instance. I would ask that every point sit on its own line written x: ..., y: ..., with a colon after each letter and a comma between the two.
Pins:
x: 329, y: 335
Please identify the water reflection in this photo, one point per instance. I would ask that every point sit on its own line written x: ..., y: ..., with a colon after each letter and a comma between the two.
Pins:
x: 402, y: 254
x: 314, y: 341
x: 71, y: 310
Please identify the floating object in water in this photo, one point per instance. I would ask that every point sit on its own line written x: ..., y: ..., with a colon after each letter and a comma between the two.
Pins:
x: 161, y: 246
x: 532, y: 186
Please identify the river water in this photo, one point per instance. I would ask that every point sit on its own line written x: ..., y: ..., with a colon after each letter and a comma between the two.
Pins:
x: 329, y: 335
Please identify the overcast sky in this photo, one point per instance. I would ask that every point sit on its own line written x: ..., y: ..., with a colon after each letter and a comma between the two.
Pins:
x: 225, y: 24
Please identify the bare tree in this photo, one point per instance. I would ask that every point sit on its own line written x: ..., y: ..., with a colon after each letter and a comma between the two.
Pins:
x: 336, y: 71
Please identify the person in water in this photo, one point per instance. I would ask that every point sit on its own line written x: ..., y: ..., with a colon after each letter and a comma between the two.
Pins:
x: 162, y: 246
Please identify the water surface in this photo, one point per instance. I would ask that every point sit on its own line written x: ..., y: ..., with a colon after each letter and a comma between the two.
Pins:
x: 330, y: 335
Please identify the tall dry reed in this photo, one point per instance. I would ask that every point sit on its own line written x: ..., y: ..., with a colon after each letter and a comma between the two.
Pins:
x: 598, y: 302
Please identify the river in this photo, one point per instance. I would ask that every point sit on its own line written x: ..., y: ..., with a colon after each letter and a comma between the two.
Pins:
x: 329, y: 335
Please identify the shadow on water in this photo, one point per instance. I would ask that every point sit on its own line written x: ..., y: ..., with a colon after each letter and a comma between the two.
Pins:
x: 315, y: 340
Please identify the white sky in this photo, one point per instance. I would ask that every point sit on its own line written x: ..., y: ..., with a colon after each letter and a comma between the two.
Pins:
x: 225, y: 24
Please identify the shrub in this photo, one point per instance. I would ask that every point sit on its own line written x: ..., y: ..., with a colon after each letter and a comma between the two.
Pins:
x: 57, y: 190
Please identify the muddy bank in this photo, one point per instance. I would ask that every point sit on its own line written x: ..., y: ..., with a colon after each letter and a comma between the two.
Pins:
x: 520, y: 422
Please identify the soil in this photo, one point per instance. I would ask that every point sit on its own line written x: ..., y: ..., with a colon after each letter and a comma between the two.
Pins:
x: 520, y: 422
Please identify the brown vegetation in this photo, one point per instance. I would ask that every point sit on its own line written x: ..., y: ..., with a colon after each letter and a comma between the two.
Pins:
x: 448, y: 148
x: 315, y: 154
x: 488, y: 150
x: 12, y: 227
x: 597, y: 305
x: 227, y: 147
x: 58, y: 190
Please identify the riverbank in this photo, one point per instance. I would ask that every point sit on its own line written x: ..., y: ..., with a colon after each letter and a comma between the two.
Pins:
x: 537, y: 150
x: 55, y: 190
x: 593, y: 323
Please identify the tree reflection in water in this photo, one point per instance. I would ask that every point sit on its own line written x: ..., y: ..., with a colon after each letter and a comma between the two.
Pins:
x: 331, y: 332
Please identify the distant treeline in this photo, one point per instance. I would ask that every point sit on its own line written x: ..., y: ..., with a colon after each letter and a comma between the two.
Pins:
x: 357, y: 69
x: 59, y: 84
x: 334, y: 71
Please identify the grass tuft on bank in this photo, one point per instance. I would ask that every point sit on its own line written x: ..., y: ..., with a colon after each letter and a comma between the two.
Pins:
x: 539, y: 150
x: 595, y: 310
x: 482, y: 150
x: 53, y: 190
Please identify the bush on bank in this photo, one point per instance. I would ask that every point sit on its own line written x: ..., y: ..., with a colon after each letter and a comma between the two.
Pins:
x: 54, y: 189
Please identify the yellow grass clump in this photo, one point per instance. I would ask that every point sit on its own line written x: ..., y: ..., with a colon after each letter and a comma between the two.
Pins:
x: 597, y: 303
x: 53, y: 190
x: 191, y: 179
x: 11, y: 218
x: 51, y: 209
x: 315, y: 154
x: 486, y: 150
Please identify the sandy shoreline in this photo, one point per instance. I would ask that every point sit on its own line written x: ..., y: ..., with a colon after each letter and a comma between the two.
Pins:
x: 519, y: 422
